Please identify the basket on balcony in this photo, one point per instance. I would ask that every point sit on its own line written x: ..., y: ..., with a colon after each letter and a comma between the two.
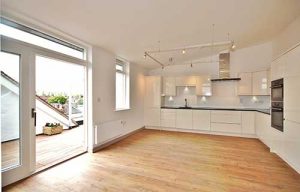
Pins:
x: 52, y: 129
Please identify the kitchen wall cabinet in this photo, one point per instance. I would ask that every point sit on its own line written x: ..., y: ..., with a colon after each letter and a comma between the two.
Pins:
x: 168, y: 118
x: 248, y: 122
x: 245, y: 84
x: 254, y: 83
x: 185, y: 81
x: 169, y: 86
x: 203, y: 86
x: 184, y: 119
x: 260, y: 83
x: 201, y: 120
x: 152, y: 100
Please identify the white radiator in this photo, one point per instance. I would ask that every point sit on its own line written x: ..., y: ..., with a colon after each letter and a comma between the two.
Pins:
x: 109, y: 130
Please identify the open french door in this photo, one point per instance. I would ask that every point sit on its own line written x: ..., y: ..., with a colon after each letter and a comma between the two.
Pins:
x: 17, y: 111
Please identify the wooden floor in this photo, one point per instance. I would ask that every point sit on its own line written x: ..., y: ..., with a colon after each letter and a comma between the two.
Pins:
x: 49, y: 149
x: 168, y: 161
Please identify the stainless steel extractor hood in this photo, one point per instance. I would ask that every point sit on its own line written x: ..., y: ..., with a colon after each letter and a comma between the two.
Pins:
x: 224, y: 68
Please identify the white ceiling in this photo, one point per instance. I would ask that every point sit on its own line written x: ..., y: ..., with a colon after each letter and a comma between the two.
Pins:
x: 129, y: 27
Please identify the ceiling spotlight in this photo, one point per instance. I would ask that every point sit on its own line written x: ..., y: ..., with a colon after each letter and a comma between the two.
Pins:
x: 183, y: 51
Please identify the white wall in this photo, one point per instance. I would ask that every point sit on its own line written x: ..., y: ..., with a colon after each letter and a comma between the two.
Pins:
x: 104, y: 93
x: 288, y: 38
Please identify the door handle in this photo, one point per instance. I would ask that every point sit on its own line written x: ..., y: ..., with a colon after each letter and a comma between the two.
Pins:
x: 33, y: 115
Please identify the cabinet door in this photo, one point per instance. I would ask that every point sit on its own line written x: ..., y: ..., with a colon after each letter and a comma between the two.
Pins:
x: 152, y: 117
x: 168, y: 118
x: 153, y: 92
x: 291, y: 98
x: 169, y: 86
x: 278, y: 68
x: 232, y: 117
x: 245, y: 84
x: 203, y: 86
x: 184, y: 119
x: 201, y: 120
x: 292, y: 63
x: 185, y: 81
x: 248, y: 122
x: 260, y: 83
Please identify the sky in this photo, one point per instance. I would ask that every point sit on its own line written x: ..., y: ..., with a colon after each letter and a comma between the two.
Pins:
x: 52, y: 76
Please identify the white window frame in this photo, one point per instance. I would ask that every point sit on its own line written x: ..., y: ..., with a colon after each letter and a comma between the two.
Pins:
x: 126, y: 71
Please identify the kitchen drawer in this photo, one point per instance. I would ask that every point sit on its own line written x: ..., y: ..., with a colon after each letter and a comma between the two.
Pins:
x: 226, y: 117
x: 168, y: 114
x: 168, y: 123
x: 226, y: 127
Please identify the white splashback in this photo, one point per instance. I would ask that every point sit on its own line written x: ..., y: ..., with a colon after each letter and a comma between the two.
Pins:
x: 224, y: 95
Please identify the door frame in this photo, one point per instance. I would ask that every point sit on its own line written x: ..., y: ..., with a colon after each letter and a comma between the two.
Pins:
x: 28, y: 53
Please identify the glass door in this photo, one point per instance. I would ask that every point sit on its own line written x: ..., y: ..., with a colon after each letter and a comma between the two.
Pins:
x: 16, y: 121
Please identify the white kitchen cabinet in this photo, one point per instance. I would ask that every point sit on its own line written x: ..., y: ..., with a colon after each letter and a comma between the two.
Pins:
x: 201, y: 120
x: 220, y: 116
x: 278, y: 68
x: 263, y: 127
x: 292, y: 144
x: 291, y: 98
x: 185, y: 81
x: 168, y: 118
x: 248, y: 122
x: 184, y: 119
x: 226, y: 127
x: 226, y: 121
x: 153, y: 92
x: 169, y: 86
x: 152, y: 101
x: 152, y: 117
x: 203, y: 85
x: 292, y: 66
x: 245, y: 84
x: 260, y: 83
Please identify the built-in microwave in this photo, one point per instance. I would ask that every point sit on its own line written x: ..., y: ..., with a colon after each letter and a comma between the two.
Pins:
x: 277, y: 90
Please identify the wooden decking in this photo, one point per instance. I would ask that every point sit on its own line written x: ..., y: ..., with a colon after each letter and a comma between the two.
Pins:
x: 168, y: 161
x: 49, y: 149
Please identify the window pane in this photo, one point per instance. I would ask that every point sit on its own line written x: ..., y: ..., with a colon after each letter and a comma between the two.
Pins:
x: 119, y: 67
x: 39, y: 41
x: 10, y: 106
x: 120, y: 90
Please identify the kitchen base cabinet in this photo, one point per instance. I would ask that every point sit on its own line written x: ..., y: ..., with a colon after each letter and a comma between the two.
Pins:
x: 248, y: 122
x: 168, y: 118
x: 201, y: 120
x: 184, y: 119
x: 226, y: 127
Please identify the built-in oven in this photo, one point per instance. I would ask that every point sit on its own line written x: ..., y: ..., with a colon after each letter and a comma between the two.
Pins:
x: 277, y: 115
x: 277, y: 104
x: 277, y: 90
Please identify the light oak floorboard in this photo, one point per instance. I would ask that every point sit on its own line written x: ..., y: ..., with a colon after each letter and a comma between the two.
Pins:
x: 152, y: 160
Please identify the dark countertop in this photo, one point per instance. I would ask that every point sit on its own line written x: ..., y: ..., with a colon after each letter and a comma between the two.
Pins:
x: 265, y: 111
